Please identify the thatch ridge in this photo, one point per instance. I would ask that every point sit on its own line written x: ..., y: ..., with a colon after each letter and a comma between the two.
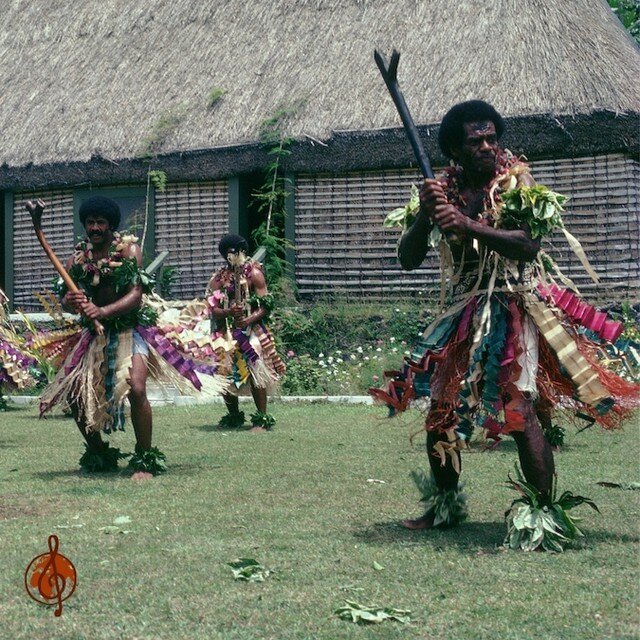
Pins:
x: 113, y: 78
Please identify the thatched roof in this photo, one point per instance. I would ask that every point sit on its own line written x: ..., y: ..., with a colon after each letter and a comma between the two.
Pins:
x: 110, y: 78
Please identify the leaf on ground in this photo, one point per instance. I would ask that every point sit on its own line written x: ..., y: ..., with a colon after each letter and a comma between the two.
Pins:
x: 377, y: 566
x: 249, y: 570
x: 122, y: 520
x: 110, y: 529
x: 376, y: 481
x: 362, y: 614
x: 629, y: 486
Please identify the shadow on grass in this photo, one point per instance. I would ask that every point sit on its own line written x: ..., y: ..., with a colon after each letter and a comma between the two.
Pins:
x: 475, y: 537
x: 214, y: 428
x: 600, y: 536
x: 469, y: 535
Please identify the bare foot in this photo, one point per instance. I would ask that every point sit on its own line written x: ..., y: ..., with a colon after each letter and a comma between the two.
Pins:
x: 142, y: 475
x: 426, y: 522
x: 258, y: 430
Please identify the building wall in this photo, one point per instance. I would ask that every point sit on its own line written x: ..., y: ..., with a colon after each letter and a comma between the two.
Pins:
x: 32, y: 271
x: 342, y: 248
x: 189, y: 220
x: 340, y: 244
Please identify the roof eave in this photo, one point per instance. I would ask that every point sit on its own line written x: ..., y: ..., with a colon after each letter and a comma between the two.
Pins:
x: 536, y: 136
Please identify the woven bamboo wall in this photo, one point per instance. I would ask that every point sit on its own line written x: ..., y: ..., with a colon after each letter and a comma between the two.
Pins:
x: 32, y: 270
x: 190, y: 220
x: 342, y: 248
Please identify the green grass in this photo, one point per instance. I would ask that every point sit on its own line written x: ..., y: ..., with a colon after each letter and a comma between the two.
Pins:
x: 299, y: 502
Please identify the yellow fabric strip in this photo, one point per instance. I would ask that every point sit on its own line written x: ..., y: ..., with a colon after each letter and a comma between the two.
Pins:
x: 588, y: 386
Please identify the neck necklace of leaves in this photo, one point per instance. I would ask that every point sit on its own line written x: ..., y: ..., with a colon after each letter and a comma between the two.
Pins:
x: 453, y: 181
x: 117, y: 268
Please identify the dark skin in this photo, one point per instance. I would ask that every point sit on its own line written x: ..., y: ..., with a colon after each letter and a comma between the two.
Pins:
x: 258, y: 285
x: 107, y: 303
x: 477, y: 155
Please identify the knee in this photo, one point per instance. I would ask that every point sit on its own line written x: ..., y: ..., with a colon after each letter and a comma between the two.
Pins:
x: 138, y: 391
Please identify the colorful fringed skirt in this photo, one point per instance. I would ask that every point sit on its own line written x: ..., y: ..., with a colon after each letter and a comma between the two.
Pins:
x: 17, y: 365
x: 95, y: 370
x: 484, y: 360
x: 251, y: 356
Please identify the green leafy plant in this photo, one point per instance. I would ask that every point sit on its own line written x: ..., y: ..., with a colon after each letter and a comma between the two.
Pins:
x: 263, y: 419
x: 151, y: 461
x: 161, y: 130
x: 449, y: 507
x: 103, y: 460
x: 542, y: 521
x: 249, y: 570
x: 554, y: 435
x: 167, y: 280
x: 214, y: 96
x: 270, y: 199
x: 404, y: 216
x: 371, y: 614
x: 537, y: 206
x: 628, y: 12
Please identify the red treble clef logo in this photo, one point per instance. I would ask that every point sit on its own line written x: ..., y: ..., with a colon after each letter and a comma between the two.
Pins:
x: 51, y: 578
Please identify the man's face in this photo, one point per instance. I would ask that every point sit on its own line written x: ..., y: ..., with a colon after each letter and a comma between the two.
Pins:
x: 236, y: 257
x: 480, y: 147
x: 98, y: 229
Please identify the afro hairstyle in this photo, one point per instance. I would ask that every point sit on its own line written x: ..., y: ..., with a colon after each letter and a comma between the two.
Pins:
x: 232, y: 241
x: 102, y: 207
x: 451, y: 134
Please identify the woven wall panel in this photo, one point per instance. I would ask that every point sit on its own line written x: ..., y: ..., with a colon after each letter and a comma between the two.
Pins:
x: 32, y: 270
x: 341, y: 246
x: 190, y: 220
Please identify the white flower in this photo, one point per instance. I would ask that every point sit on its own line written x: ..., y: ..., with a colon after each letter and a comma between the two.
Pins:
x: 330, y: 359
x: 395, y: 349
x: 392, y: 339
x: 397, y: 310
x: 352, y: 357
x: 321, y: 363
x: 378, y: 349
x: 366, y: 357
x: 359, y: 349
x: 321, y: 355
x: 338, y: 352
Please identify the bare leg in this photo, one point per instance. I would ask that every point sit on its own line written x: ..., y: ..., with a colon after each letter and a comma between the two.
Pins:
x: 534, y: 452
x: 231, y: 403
x: 445, y: 476
x: 92, y: 438
x: 259, y: 397
x: 140, y: 407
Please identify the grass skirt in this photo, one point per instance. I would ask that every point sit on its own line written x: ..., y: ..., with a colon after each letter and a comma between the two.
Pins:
x: 95, y: 371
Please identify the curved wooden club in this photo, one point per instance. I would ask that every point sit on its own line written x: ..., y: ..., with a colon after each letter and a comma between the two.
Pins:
x: 35, y: 210
x: 389, y: 73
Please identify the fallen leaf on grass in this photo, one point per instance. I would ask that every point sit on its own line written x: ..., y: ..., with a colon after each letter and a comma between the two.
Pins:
x: 376, y: 481
x: 629, y: 486
x: 115, y: 527
x: 358, y: 613
x: 377, y: 566
x: 350, y: 587
x: 249, y: 570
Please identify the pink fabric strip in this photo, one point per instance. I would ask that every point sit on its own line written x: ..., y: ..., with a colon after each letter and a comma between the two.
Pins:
x: 582, y: 312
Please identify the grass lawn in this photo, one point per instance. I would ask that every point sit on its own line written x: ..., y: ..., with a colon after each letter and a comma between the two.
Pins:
x: 300, y: 501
